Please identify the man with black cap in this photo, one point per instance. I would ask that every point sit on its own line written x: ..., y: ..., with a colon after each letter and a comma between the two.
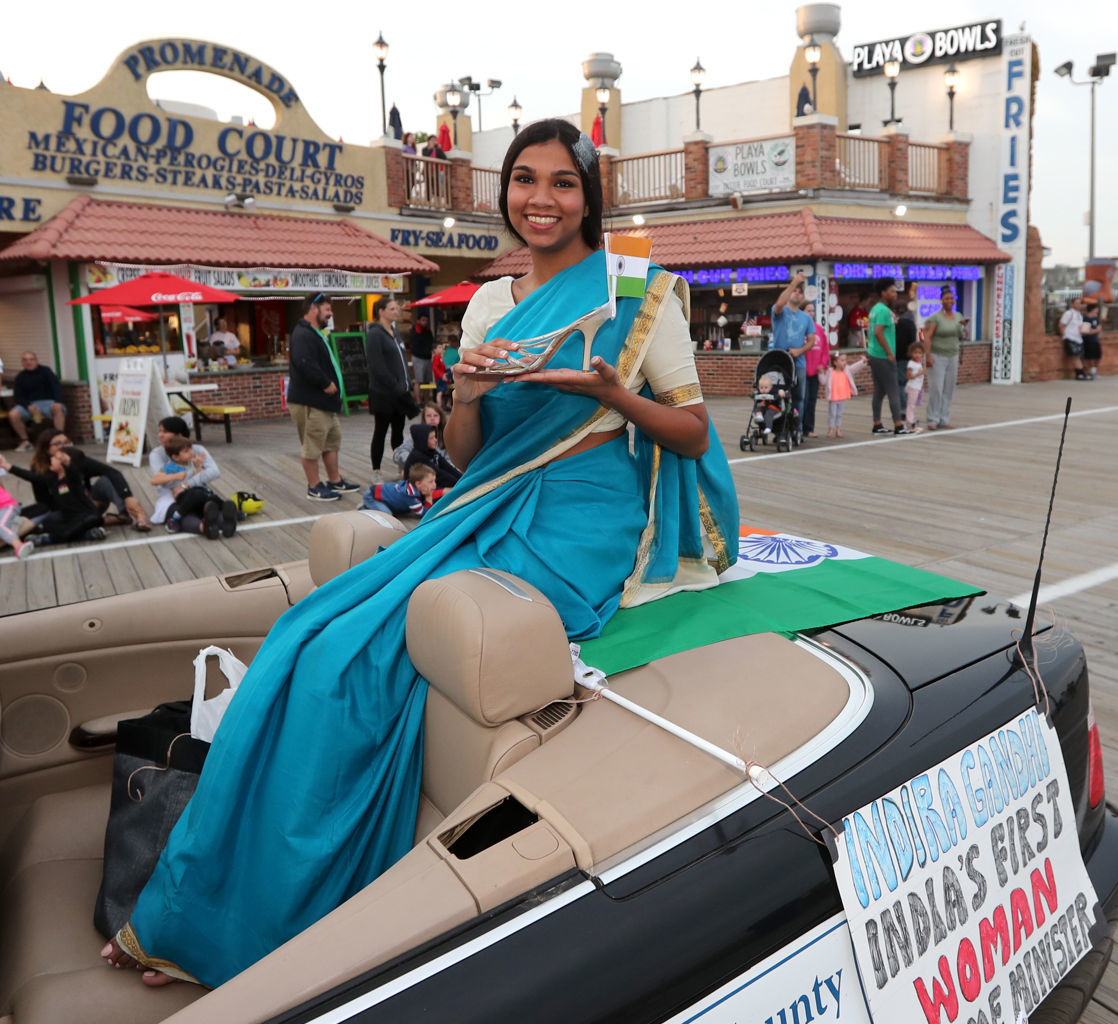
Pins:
x: 314, y: 400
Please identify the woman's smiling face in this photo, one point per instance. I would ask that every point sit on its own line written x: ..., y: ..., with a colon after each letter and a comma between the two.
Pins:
x: 545, y: 198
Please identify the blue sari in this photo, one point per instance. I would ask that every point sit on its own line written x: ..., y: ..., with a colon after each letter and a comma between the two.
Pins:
x: 311, y: 786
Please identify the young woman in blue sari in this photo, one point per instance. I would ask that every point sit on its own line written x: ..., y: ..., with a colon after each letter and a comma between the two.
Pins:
x: 311, y: 787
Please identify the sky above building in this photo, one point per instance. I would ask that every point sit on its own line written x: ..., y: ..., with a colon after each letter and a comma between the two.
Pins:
x: 536, y: 50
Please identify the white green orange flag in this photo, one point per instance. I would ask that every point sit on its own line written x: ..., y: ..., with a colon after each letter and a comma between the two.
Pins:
x: 627, y: 261
x: 780, y: 584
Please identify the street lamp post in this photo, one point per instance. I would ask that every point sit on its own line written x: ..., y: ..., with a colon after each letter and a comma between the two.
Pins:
x: 515, y: 110
x: 1100, y: 70
x: 951, y: 79
x: 453, y: 102
x: 603, y: 105
x: 475, y: 87
x: 380, y: 50
x: 698, y: 73
x: 812, y: 52
x: 892, y: 69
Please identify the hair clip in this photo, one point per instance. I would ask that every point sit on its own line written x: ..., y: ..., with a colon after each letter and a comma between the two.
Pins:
x: 584, y: 152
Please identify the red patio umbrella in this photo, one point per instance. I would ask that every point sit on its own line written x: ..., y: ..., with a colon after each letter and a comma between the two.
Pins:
x: 126, y: 313
x: 456, y: 295
x: 155, y: 289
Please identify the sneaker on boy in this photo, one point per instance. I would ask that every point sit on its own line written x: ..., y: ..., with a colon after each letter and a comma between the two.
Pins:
x: 320, y: 492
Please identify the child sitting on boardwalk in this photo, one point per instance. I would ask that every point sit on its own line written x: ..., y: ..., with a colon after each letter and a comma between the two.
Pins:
x: 404, y: 497
x: 12, y: 524
x: 193, y: 509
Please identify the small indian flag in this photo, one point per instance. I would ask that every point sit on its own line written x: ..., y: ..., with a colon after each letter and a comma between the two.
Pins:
x: 627, y: 265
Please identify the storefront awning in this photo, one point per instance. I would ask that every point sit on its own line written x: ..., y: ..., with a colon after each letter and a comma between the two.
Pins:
x: 793, y: 236
x: 91, y: 229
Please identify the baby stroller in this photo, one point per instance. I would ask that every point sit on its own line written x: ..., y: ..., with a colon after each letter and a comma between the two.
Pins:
x: 786, y: 429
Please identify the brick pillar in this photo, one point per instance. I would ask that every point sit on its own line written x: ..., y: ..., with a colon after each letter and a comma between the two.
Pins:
x: 816, y: 150
x: 696, y: 165
x: 606, y: 156
x: 461, y: 181
x: 958, y: 164
x: 395, y: 176
x: 896, y: 178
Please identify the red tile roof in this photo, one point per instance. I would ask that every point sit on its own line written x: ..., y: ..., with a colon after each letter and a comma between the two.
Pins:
x: 92, y: 229
x: 798, y: 235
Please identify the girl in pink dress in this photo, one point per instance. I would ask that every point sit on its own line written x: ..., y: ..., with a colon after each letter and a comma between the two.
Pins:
x: 838, y: 383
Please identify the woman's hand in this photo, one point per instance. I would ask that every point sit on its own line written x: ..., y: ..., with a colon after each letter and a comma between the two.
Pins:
x: 601, y: 381
x: 482, y: 357
x: 4, y: 464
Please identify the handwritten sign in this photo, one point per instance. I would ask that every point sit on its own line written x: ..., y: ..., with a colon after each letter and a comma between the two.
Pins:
x: 964, y: 888
x: 130, y: 409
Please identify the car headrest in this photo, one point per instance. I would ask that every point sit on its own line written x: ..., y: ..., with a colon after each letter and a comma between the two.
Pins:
x: 343, y: 540
x: 489, y: 642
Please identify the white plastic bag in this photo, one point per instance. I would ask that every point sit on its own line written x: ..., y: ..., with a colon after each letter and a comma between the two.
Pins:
x: 205, y: 715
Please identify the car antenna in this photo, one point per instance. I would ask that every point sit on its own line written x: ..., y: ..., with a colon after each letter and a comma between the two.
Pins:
x: 1025, y: 645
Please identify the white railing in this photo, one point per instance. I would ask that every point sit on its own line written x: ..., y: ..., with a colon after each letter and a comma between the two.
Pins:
x: 427, y: 182
x: 862, y: 162
x: 648, y: 178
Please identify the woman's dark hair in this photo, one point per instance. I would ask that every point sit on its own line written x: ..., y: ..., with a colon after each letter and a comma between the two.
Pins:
x: 40, y: 457
x: 947, y: 290
x: 588, y: 171
x: 175, y: 425
x: 380, y: 304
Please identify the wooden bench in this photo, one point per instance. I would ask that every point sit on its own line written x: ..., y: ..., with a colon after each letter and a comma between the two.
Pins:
x: 216, y: 414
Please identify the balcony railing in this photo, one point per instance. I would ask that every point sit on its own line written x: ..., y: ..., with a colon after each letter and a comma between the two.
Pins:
x: 862, y: 162
x: 927, y: 168
x: 487, y: 187
x: 427, y: 182
x: 648, y: 178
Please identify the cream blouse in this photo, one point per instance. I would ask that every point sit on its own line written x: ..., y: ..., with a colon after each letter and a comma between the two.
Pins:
x: 668, y: 365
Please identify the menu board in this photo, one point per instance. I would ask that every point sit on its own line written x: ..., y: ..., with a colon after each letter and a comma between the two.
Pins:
x: 349, y: 347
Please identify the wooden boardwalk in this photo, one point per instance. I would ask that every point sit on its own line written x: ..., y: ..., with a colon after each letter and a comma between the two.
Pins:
x: 969, y: 503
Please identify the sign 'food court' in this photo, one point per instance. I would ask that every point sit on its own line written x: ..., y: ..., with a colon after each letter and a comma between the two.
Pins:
x: 117, y: 136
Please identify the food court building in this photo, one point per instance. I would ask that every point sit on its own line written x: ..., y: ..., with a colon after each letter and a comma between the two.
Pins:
x: 99, y: 188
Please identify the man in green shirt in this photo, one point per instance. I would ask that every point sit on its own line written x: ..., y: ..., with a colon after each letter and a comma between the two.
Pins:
x: 882, y: 352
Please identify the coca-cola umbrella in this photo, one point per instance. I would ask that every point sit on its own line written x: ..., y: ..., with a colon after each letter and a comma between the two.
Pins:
x: 155, y: 289
x: 456, y: 295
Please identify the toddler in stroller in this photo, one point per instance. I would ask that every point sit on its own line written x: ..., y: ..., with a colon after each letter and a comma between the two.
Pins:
x: 773, y: 414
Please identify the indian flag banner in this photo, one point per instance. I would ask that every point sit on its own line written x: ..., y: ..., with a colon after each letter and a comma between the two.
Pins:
x: 627, y: 265
x: 779, y: 584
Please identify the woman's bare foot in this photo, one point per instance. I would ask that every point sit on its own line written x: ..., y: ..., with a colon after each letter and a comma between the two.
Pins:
x: 114, y: 956
x: 156, y: 979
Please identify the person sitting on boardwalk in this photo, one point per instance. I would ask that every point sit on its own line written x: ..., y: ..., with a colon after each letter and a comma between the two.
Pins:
x: 425, y: 451
x: 194, y: 508
x: 71, y: 514
x: 105, y: 484
x: 202, y: 471
x: 13, y: 526
x: 411, y: 496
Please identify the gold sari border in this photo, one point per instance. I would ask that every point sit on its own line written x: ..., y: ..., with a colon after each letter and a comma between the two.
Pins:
x: 130, y: 944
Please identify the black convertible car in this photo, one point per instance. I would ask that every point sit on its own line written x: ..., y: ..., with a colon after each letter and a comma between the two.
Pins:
x: 576, y: 862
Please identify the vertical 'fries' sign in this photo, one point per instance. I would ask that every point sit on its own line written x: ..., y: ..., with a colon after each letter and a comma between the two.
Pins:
x: 130, y: 409
x: 965, y: 890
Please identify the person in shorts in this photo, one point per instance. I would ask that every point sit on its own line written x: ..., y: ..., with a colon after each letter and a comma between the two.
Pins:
x: 314, y: 400
x: 1092, y: 328
x: 1071, y: 330
x: 37, y: 395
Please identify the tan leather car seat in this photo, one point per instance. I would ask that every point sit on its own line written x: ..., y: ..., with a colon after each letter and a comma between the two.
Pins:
x: 495, y: 652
